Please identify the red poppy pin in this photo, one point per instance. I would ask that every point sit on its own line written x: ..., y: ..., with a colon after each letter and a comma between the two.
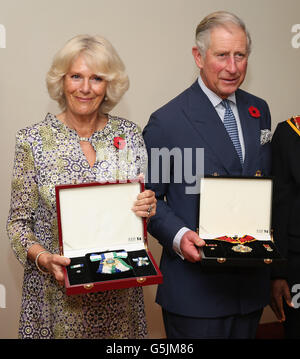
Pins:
x: 254, y: 112
x: 119, y: 142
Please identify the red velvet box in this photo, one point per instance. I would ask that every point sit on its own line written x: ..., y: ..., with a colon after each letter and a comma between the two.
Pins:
x: 106, y: 241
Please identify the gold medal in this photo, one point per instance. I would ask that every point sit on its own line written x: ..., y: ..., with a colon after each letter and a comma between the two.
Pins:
x: 241, y: 248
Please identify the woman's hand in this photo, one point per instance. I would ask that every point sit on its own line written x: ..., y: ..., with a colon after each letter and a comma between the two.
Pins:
x: 54, y: 263
x: 145, y: 205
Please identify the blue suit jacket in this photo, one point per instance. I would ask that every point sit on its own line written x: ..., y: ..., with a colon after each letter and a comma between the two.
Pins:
x: 190, y: 121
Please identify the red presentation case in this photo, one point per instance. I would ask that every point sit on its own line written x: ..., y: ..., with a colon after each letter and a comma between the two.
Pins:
x: 106, y: 241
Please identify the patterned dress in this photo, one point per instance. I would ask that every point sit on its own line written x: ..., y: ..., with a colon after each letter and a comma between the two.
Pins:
x: 47, y: 154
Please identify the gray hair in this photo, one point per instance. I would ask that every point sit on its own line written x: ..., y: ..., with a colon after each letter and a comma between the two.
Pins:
x: 217, y: 19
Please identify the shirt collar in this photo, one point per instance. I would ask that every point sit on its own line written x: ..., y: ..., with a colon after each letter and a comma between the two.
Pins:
x: 214, y: 99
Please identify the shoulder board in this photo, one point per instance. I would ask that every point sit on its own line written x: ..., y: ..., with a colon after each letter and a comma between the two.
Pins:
x: 294, y: 122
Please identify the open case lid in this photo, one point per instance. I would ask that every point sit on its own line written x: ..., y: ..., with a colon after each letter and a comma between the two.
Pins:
x: 235, y: 206
x: 98, y: 216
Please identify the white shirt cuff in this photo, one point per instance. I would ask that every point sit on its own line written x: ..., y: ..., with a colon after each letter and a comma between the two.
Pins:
x: 177, y: 240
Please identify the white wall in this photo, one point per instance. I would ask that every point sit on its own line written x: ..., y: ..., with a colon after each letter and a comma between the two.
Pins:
x: 154, y: 38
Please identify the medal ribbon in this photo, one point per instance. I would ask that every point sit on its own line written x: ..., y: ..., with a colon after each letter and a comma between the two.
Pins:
x: 294, y: 123
x: 241, y: 240
x: 111, y: 262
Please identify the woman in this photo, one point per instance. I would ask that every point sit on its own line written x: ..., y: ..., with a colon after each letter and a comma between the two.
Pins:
x: 286, y: 224
x: 81, y: 144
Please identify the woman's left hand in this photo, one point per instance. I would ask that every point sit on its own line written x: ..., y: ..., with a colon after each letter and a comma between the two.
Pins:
x: 145, y: 205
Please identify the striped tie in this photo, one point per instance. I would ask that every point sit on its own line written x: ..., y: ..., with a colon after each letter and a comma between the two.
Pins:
x: 231, y: 127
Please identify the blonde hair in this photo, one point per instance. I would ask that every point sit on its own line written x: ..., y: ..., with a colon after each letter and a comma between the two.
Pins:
x: 101, y: 57
x: 217, y: 19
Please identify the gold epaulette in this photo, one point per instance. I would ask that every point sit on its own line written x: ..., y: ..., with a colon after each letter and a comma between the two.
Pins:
x: 294, y: 122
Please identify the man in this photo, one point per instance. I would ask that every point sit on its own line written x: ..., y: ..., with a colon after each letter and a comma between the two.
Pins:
x: 198, y: 302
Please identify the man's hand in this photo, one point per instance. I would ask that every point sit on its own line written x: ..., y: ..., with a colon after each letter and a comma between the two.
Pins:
x: 190, y: 246
x: 280, y: 290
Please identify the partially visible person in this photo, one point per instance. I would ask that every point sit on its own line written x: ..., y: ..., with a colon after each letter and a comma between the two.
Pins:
x: 228, y: 123
x: 286, y: 224
x: 81, y: 144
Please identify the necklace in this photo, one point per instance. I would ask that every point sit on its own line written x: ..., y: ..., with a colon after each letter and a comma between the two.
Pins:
x: 65, y: 119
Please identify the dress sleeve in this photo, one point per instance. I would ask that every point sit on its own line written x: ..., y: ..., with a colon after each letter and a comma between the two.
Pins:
x: 137, y: 154
x: 24, y: 199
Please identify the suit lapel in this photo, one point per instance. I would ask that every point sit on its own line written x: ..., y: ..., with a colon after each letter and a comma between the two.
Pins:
x: 209, y: 126
x: 250, y: 127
